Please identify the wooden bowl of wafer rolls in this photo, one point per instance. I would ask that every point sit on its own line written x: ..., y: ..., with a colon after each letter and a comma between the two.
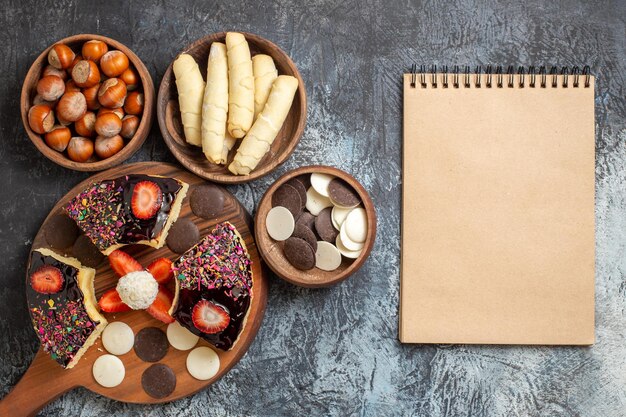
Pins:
x: 232, y: 107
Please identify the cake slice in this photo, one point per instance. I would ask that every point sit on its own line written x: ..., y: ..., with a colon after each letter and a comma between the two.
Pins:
x: 214, y: 287
x: 135, y: 208
x: 61, y: 301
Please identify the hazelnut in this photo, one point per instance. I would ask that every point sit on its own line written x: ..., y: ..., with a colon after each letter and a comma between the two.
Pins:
x: 70, y: 86
x: 112, y: 93
x: 93, y: 50
x: 91, y: 95
x: 41, y: 118
x: 50, y: 87
x: 60, y: 56
x: 86, y: 74
x: 131, y: 79
x: 58, y: 138
x: 85, y: 126
x: 129, y: 126
x: 50, y: 70
x: 134, y: 103
x: 119, y: 111
x: 80, y: 149
x: 72, y: 106
x: 114, y: 63
x: 108, y: 125
x: 107, y: 147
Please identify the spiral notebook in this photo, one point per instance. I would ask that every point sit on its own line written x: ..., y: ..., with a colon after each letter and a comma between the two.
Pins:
x: 498, y: 207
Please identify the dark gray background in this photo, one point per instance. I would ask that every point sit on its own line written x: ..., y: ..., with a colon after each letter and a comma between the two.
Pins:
x: 335, y: 351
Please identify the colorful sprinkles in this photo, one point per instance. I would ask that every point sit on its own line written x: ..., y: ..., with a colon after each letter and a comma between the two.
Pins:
x: 219, y: 260
x: 62, y: 328
x: 98, y: 211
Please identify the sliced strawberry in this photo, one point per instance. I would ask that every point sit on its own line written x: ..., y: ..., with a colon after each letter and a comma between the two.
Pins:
x: 209, y: 318
x: 122, y: 263
x: 111, y: 302
x: 146, y: 200
x: 161, y: 270
x: 161, y: 305
x: 47, y: 279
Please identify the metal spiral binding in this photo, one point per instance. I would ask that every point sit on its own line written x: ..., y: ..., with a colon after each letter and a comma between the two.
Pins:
x: 540, y: 78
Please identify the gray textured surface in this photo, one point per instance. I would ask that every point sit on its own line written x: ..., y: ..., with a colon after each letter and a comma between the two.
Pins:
x: 335, y: 351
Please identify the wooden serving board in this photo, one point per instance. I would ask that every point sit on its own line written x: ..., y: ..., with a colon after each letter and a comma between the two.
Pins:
x: 46, y: 380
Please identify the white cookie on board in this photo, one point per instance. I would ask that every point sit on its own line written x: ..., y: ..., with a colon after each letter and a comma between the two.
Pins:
x: 180, y: 338
x: 315, y: 202
x: 203, y: 363
x: 327, y: 256
x: 347, y: 242
x: 108, y: 371
x: 351, y: 254
x: 356, y: 225
x: 118, y: 338
x: 320, y: 183
x: 279, y: 223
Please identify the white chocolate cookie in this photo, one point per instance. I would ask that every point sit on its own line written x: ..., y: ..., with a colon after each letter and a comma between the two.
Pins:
x: 108, y: 371
x: 327, y: 256
x: 356, y: 225
x: 203, y: 363
x: 339, y: 215
x: 180, y: 338
x: 351, y: 254
x: 118, y: 338
x: 315, y: 202
x: 279, y: 223
x: 347, y: 242
x: 320, y: 183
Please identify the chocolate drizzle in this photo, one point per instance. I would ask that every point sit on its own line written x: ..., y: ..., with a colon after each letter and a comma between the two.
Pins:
x: 217, y: 269
x: 103, y: 210
x: 60, y: 319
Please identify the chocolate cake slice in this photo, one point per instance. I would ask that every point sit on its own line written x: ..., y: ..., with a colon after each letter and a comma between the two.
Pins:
x: 62, y: 306
x: 214, y: 287
x: 126, y: 210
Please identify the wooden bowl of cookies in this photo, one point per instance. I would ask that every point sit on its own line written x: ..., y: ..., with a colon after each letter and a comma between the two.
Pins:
x: 315, y: 226
x: 68, y: 102
x: 193, y: 139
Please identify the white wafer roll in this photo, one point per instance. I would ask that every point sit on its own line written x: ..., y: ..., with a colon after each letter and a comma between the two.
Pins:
x: 190, y: 87
x: 241, y: 85
x: 215, y: 104
x: 264, y: 75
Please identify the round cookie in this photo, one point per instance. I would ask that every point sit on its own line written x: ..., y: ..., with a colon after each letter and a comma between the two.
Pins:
x: 305, y: 180
x: 339, y: 215
x: 351, y: 254
x: 327, y: 256
x: 206, y: 201
x: 158, y: 381
x: 299, y: 186
x: 347, y: 242
x: 108, y: 371
x: 61, y: 232
x: 203, y: 363
x: 86, y: 252
x: 180, y: 338
x: 118, y: 338
x: 356, y: 225
x: 151, y: 344
x: 315, y: 202
x: 306, y: 219
x: 182, y: 236
x: 305, y: 234
x: 279, y: 223
x: 299, y: 253
x: 320, y: 182
x: 342, y: 194
x: 288, y: 197
x: 324, y: 226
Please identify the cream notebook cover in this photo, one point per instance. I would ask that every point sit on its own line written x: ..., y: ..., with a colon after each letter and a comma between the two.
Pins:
x: 498, y: 209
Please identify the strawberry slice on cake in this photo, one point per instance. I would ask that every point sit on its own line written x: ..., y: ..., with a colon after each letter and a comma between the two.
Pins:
x: 214, y: 287
x: 61, y: 302
x: 131, y: 209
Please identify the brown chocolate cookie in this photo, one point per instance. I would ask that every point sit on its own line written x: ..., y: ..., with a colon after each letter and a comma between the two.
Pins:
x: 342, y: 194
x: 305, y: 234
x: 299, y: 186
x: 206, y: 201
x: 86, y: 252
x: 288, y: 197
x: 158, y: 380
x: 305, y: 180
x: 324, y: 226
x: 306, y: 219
x: 61, y: 231
x: 299, y: 253
x: 182, y: 236
x: 151, y: 344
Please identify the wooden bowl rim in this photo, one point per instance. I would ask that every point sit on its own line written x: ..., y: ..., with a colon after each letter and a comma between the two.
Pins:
x: 370, y: 212
x: 144, y: 125
x: 229, y: 178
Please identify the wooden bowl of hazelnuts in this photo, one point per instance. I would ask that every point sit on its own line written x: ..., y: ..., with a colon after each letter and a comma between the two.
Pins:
x: 87, y: 102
